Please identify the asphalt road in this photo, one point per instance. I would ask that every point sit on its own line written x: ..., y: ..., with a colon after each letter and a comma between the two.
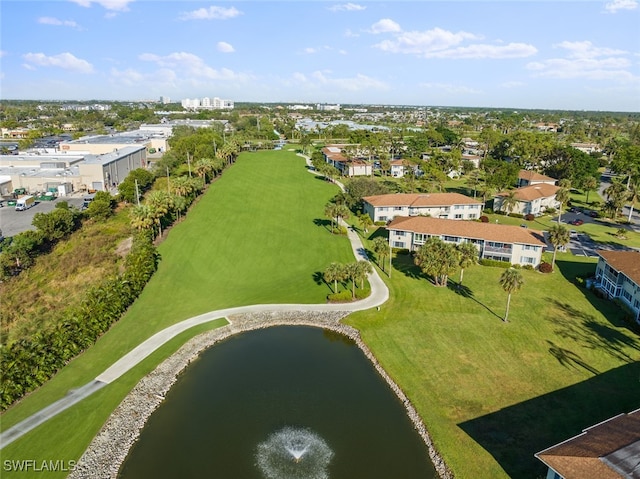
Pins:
x: 13, y: 222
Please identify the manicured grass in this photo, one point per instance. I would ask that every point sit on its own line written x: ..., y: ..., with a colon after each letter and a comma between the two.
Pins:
x: 257, y: 236
x: 492, y: 393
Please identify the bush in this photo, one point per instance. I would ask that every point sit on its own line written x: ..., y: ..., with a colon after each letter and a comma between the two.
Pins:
x: 495, y: 263
x: 484, y: 219
x: 545, y: 267
x: 516, y: 215
x: 529, y: 217
x: 380, y: 223
x: 528, y: 267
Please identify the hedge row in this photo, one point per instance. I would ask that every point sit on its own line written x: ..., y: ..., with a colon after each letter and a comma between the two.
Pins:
x: 28, y: 363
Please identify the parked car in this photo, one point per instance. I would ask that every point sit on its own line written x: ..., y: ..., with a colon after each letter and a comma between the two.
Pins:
x: 577, y: 222
x: 594, y: 214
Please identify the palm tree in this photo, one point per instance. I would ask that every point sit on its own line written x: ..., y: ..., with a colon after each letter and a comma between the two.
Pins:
x: 437, y: 259
x: 509, y: 202
x: 590, y: 184
x: 330, y: 211
x: 363, y: 269
x: 558, y: 236
x: 562, y: 197
x: 333, y: 273
x: 511, y: 281
x: 380, y: 247
x: 467, y: 256
x: 352, y: 272
x: 365, y: 221
x: 616, y: 195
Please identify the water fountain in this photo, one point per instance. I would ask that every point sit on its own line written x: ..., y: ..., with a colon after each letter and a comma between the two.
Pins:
x: 294, y: 453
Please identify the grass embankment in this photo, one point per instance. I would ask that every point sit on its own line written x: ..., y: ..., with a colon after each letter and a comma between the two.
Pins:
x: 492, y: 393
x: 34, y: 299
x: 257, y: 236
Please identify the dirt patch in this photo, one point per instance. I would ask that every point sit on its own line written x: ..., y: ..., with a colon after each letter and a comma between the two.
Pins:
x: 124, y: 247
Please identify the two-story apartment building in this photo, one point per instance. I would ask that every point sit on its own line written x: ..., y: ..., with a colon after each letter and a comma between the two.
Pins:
x: 530, y: 177
x: 452, y: 206
x: 347, y: 167
x: 508, y: 243
x: 618, y: 274
x: 533, y: 199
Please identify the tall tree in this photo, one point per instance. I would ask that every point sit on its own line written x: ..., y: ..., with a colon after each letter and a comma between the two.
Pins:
x: 509, y: 202
x: 333, y: 273
x: 511, y: 281
x: 380, y: 247
x: 437, y: 259
x: 590, y: 184
x: 558, y: 236
x: 363, y: 270
x: 467, y: 256
x: 562, y: 197
x: 365, y: 221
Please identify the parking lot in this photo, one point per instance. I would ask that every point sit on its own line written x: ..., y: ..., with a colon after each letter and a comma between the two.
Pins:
x: 13, y: 222
x: 581, y: 244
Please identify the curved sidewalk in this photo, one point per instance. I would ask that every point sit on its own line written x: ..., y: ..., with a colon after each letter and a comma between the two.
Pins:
x: 379, y: 295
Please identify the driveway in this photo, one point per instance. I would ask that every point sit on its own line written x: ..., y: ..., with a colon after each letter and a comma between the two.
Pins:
x: 13, y: 222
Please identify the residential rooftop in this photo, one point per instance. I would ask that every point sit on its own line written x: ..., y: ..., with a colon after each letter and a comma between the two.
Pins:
x: 468, y: 229
x: 421, y: 199
x: 625, y: 262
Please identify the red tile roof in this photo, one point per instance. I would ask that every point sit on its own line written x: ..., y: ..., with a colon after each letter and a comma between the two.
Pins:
x: 530, y: 175
x: 533, y: 192
x: 421, y: 199
x: 468, y: 229
x: 625, y: 262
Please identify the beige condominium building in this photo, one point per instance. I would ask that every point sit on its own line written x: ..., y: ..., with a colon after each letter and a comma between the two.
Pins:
x: 453, y: 206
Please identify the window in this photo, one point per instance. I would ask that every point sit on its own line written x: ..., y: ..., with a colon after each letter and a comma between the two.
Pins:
x: 473, y: 216
x: 530, y: 247
x: 458, y: 216
x: 398, y: 244
x: 451, y: 239
x: 626, y: 294
x: 458, y: 207
x: 527, y: 260
x: 401, y: 233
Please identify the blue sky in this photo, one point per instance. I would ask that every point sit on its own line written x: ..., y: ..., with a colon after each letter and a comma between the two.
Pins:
x: 514, y: 54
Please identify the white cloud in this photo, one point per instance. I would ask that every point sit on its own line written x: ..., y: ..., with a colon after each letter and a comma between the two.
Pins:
x: 211, y: 13
x: 131, y: 77
x: 114, y: 5
x: 584, y: 60
x: 57, y: 22
x: 191, y: 65
x: 586, y: 49
x: 386, y: 25
x: 66, y: 61
x: 225, y: 47
x: 615, y: 5
x: 347, y: 7
x: 440, y: 43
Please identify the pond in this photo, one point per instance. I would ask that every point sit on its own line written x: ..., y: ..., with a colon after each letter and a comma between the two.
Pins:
x: 283, y: 402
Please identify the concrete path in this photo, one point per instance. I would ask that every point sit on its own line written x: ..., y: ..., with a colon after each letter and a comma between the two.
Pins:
x: 379, y: 295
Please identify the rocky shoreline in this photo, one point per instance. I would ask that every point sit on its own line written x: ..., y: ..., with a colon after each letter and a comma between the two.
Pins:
x: 110, y: 447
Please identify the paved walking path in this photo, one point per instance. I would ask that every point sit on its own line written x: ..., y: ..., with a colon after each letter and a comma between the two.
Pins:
x: 379, y: 295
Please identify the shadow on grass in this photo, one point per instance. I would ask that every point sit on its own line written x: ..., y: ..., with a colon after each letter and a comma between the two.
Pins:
x: 467, y: 293
x: 512, y: 435
x: 585, y: 330
x: 568, y: 358
x: 326, y: 224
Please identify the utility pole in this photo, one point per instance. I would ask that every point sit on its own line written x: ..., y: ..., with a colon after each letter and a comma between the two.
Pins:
x: 168, y: 185
x: 189, y: 163
x: 137, y: 193
x: 390, y: 254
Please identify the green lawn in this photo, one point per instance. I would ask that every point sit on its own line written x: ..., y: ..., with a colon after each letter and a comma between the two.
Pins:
x: 492, y: 393
x: 257, y: 236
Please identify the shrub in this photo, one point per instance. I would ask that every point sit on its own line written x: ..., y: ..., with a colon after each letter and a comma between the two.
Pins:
x: 528, y: 267
x: 484, y: 219
x: 516, y: 215
x: 340, y: 297
x: 380, y: 223
x: 495, y: 263
x: 545, y: 267
x: 529, y: 217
